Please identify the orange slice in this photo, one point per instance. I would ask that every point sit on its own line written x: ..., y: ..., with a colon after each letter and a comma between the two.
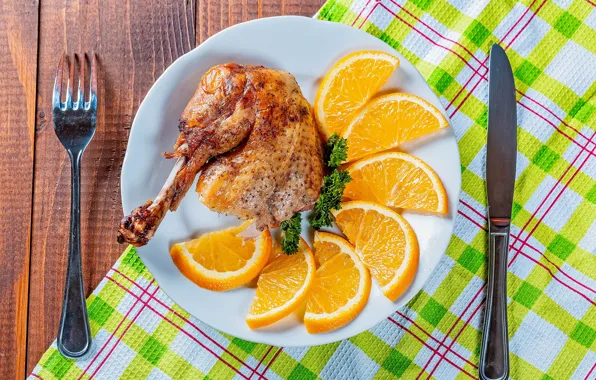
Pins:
x: 397, y: 180
x: 384, y: 241
x: 223, y: 260
x: 389, y: 121
x: 350, y: 83
x: 341, y: 286
x: 282, y: 287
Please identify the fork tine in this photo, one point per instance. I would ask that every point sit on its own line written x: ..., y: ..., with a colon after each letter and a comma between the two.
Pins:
x: 69, y: 91
x: 93, y: 80
x: 56, y: 103
x: 81, y: 91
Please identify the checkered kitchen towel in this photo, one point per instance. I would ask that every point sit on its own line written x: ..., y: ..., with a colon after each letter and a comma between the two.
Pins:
x: 140, y: 333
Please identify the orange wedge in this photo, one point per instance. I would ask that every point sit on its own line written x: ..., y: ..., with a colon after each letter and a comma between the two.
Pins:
x: 350, y: 83
x: 341, y: 286
x: 397, y: 180
x: 282, y: 287
x: 223, y: 260
x: 384, y: 241
x: 389, y: 121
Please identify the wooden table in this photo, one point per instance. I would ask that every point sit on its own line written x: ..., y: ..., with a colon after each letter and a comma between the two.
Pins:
x: 135, y: 41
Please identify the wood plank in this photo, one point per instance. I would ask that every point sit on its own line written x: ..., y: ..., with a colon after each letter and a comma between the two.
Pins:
x: 215, y: 15
x: 18, y: 67
x: 135, y: 41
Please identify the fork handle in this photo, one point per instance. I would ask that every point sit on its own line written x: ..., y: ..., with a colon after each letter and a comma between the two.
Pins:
x: 74, y: 334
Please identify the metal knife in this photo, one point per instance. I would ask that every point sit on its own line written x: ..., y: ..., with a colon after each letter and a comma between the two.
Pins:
x: 500, y: 181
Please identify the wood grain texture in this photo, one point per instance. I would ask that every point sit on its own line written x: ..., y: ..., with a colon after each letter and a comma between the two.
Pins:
x: 216, y: 15
x: 18, y: 63
x: 135, y: 40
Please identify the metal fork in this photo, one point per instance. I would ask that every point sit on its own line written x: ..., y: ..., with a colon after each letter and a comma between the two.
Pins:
x: 74, y: 124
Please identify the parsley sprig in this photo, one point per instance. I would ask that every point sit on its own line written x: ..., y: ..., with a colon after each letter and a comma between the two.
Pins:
x: 334, y: 184
x: 336, y: 152
x: 330, y: 198
x: 291, y: 234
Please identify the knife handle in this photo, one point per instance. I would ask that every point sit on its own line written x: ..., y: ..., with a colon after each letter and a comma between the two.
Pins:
x: 494, y: 355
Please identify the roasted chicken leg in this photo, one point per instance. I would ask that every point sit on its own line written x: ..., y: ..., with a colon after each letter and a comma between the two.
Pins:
x: 259, y: 135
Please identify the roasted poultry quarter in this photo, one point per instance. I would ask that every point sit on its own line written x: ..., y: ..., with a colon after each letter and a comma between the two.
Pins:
x: 252, y: 135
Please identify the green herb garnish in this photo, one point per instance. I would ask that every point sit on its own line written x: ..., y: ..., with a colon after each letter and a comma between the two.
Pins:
x: 336, y: 152
x: 330, y: 198
x: 291, y: 234
x: 334, y: 184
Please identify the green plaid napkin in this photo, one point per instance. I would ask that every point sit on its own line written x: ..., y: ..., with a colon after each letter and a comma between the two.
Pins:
x: 140, y: 333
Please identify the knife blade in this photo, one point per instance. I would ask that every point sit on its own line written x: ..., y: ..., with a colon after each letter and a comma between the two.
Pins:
x: 500, y: 181
x: 502, y: 135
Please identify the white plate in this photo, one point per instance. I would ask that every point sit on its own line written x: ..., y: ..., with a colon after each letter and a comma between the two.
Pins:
x: 306, y: 48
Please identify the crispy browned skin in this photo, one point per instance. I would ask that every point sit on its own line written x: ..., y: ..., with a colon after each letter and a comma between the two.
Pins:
x: 279, y: 169
x: 273, y: 166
